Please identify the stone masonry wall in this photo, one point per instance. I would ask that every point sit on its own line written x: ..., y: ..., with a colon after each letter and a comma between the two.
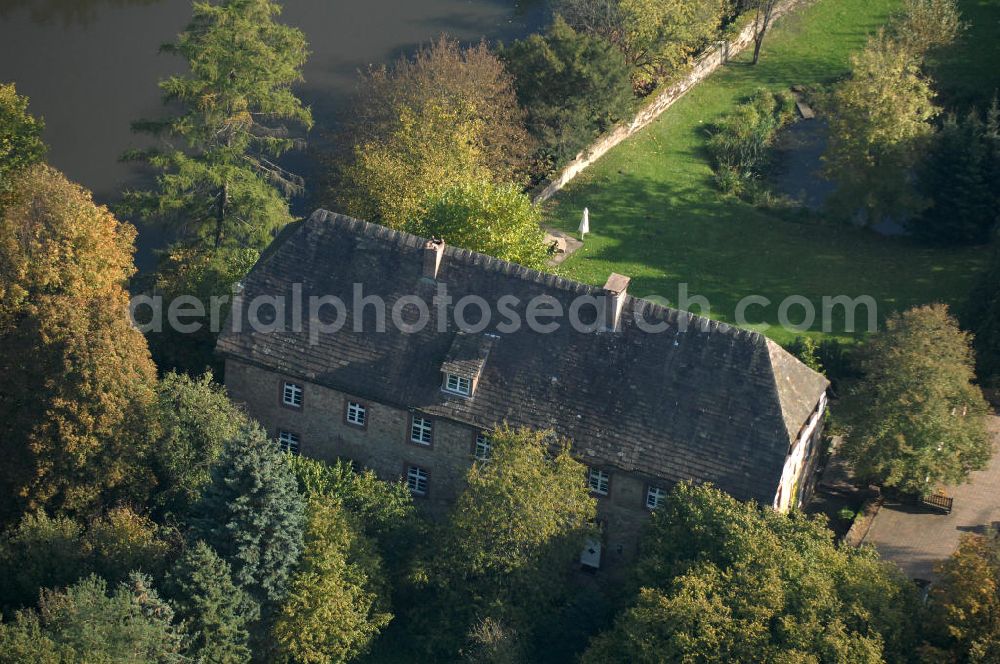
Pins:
x: 704, y: 65
x: 383, y: 445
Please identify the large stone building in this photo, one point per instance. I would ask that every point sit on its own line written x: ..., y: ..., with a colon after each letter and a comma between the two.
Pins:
x: 649, y: 395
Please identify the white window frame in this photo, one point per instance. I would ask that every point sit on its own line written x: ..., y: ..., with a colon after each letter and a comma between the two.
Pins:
x: 484, y: 447
x: 357, y: 413
x: 421, y: 431
x: 288, y: 441
x: 291, y: 394
x: 415, y: 477
x: 456, y: 384
x: 599, y: 481
x: 657, y: 495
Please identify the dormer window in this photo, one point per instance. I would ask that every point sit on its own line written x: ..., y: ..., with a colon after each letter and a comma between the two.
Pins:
x: 456, y: 384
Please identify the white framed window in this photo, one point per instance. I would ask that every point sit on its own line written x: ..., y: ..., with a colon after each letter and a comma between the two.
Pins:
x: 357, y: 413
x: 288, y: 441
x: 291, y: 395
x: 654, y: 496
x: 599, y: 481
x: 458, y: 384
x: 484, y: 448
x: 421, y: 430
x: 417, y: 480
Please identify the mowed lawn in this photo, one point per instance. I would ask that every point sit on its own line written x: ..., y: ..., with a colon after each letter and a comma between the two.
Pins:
x: 657, y: 217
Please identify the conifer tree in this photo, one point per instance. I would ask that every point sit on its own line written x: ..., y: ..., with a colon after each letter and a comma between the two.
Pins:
x: 253, y: 515
x: 215, y: 612
x: 218, y: 183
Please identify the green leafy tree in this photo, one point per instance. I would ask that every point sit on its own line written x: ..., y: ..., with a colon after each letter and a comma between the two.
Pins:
x: 20, y: 137
x: 76, y: 403
x: 197, y: 421
x: 508, y: 547
x: 720, y: 580
x: 47, y: 552
x: 39, y: 552
x: 447, y: 115
x: 573, y: 85
x: 218, y: 183
x: 960, y: 177
x: 337, y: 603
x: 253, y: 515
x: 963, y: 624
x: 215, y: 612
x: 879, y: 123
x: 920, y: 420
x: 379, y: 506
x: 83, y: 624
x: 497, y: 220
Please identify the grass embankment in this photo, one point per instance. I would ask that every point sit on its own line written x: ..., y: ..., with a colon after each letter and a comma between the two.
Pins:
x: 657, y: 216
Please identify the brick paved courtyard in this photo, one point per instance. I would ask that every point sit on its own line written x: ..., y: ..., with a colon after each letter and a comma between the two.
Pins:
x: 916, y: 539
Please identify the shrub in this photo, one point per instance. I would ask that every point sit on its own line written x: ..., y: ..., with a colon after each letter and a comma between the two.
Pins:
x: 739, y: 142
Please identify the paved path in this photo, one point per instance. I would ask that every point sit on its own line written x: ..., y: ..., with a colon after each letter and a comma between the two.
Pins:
x: 916, y: 540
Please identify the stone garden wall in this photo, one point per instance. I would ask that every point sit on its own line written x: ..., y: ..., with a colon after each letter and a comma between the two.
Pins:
x: 704, y: 65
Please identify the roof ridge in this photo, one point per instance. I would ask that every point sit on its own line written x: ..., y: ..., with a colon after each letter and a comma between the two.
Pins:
x: 516, y: 270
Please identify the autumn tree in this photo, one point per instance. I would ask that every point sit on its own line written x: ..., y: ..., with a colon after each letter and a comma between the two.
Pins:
x: 445, y: 116
x: 20, y: 137
x: 218, y: 184
x: 572, y: 85
x: 76, y: 405
x: 337, y: 601
x: 921, y: 419
x: 216, y: 613
x: 496, y: 220
x: 83, y: 623
x: 719, y: 580
x: 924, y: 25
x: 879, y: 122
x: 963, y: 623
x: 253, y: 516
x: 197, y: 421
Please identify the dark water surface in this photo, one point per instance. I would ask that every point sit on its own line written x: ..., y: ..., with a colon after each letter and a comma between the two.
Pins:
x: 90, y: 67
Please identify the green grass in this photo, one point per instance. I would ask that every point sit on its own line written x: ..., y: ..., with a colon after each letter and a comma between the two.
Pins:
x: 657, y: 217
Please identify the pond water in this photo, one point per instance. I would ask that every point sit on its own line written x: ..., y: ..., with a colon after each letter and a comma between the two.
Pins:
x: 91, y: 67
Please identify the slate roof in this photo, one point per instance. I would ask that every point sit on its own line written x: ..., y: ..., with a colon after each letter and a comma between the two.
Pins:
x: 714, y: 403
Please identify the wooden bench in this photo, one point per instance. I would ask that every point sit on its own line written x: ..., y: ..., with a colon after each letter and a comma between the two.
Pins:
x: 939, y: 502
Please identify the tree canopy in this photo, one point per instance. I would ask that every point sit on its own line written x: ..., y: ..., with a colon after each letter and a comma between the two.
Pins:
x: 722, y: 580
x: 253, y: 516
x: 572, y: 85
x: 446, y: 116
x: 337, y: 600
x: 20, y: 137
x: 84, y: 624
x: 920, y: 419
x: 217, y: 182
x: 496, y: 220
x: 76, y: 413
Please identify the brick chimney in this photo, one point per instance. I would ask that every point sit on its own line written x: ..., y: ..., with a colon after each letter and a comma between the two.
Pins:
x: 615, y: 291
x: 433, y: 251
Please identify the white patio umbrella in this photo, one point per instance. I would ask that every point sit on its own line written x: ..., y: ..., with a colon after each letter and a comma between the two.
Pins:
x: 584, y: 223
